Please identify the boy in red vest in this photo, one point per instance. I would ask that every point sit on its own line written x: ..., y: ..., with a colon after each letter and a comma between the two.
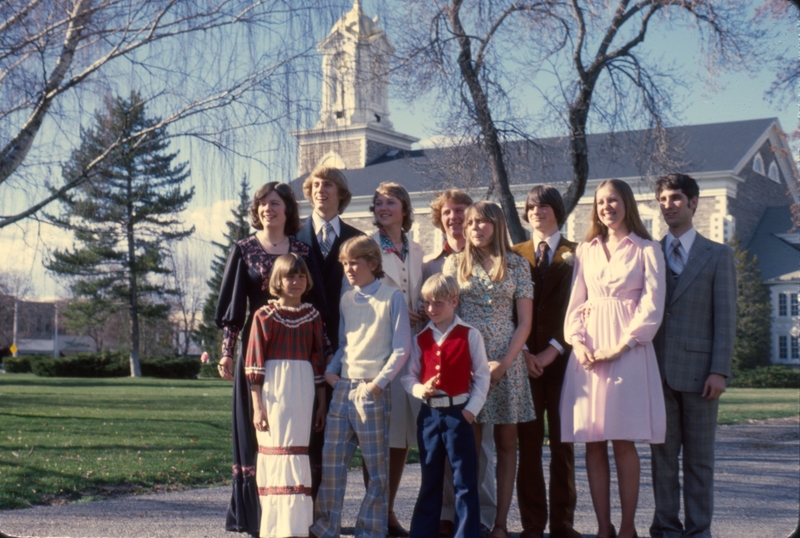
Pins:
x: 449, y: 372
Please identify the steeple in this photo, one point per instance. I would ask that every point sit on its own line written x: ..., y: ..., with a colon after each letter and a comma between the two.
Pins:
x: 353, y: 127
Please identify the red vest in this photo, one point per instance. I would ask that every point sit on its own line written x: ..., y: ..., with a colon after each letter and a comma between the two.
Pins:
x: 452, y: 359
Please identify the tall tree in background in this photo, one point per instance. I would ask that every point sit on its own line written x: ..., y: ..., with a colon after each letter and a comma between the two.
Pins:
x: 124, y: 216
x: 586, y: 59
x: 754, y: 312
x: 208, y: 334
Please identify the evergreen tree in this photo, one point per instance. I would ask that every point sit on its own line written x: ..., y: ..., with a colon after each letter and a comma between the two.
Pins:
x: 754, y: 311
x: 124, y: 215
x: 208, y: 334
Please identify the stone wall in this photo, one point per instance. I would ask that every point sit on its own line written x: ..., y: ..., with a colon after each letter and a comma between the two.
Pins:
x: 349, y: 151
x: 755, y: 194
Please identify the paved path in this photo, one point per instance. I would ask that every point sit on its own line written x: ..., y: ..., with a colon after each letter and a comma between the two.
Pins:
x: 757, y: 495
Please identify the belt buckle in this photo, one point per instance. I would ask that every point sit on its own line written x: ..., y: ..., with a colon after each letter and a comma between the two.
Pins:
x: 439, y: 401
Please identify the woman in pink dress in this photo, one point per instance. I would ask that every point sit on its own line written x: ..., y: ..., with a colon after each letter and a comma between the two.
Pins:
x: 612, y: 387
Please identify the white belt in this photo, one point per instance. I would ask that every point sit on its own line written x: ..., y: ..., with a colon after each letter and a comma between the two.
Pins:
x: 446, y: 401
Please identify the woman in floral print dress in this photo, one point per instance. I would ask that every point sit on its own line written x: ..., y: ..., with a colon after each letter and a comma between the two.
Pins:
x: 494, y: 283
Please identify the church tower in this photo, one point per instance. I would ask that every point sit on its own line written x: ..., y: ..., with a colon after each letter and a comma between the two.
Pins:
x: 354, y: 127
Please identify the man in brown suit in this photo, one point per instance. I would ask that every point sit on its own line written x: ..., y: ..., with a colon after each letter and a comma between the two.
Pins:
x: 552, y: 258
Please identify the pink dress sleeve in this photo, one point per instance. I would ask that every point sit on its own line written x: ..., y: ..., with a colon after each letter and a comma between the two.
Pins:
x: 648, y: 315
x: 574, y: 329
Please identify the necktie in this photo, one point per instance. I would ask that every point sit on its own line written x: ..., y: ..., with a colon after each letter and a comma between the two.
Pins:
x: 543, y: 260
x: 328, y: 235
x: 675, y: 256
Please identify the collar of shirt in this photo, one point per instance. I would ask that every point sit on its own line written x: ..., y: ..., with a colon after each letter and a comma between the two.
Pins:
x: 319, y: 222
x: 387, y: 245
x: 438, y: 335
x: 552, y: 242
x: 687, y: 240
x: 368, y: 290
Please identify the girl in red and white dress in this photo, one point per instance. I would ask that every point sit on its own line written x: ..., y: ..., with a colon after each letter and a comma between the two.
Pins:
x: 285, y: 362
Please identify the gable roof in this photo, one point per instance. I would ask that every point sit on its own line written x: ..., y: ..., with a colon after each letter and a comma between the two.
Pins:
x: 776, y: 243
x: 712, y: 147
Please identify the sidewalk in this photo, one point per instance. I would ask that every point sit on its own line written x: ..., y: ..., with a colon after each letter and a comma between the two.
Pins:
x: 757, y: 495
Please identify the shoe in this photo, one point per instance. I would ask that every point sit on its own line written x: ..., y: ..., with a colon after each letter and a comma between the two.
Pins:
x: 446, y: 528
x: 564, y: 533
x: 485, y: 532
x: 532, y: 533
x: 613, y: 533
x: 396, y: 531
x: 501, y: 528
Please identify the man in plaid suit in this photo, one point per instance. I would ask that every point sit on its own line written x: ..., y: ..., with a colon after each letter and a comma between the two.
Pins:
x: 694, y: 347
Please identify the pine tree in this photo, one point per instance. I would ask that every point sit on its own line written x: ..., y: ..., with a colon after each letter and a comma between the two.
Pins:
x: 124, y: 215
x: 754, y: 311
x: 209, y: 336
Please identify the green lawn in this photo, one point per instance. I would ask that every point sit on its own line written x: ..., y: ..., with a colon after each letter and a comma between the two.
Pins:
x: 80, y: 439
x: 67, y: 439
x: 743, y: 405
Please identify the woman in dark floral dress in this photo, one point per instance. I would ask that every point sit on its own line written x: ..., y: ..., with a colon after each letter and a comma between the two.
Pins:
x: 245, y: 289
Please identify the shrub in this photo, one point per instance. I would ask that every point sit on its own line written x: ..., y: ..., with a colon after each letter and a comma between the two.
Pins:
x: 209, y: 369
x: 82, y: 365
x: 18, y: 365
x: 171, y: 367
x: 767, y: 377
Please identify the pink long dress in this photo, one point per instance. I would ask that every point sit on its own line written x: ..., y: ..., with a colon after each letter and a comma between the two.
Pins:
x: 615, y: 300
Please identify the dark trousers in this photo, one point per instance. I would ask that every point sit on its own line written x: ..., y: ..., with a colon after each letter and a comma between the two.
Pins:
x: 531, y: 487
x: 445, y: 432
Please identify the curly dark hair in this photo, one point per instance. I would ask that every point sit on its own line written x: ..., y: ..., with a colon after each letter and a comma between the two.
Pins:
x: 292, y: 225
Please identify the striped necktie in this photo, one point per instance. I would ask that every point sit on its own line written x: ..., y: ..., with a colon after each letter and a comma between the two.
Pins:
x: 675, y: 256
x: 328, y: 236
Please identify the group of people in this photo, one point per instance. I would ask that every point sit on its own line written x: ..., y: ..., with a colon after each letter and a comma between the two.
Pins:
x: 349, y: 340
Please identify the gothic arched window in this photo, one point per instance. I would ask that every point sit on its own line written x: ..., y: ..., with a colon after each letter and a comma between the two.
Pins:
x: 773, y: 172
x: 758, y: 164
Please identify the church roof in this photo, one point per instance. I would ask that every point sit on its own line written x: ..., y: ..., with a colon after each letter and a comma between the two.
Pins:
x: 707, y: 148
x: 776, y: 243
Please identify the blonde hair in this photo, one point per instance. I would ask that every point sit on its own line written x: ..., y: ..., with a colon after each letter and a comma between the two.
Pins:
x: 497, y: 249
x: 440, y: 286
x: 632, y: 220
x: 333, y: 175
x: 365, y: 247
x: 288, y: 265
x: 450, y: 195
x: 390, y: 188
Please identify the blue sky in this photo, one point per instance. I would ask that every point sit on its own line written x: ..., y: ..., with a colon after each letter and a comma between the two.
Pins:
x: 729, y: 97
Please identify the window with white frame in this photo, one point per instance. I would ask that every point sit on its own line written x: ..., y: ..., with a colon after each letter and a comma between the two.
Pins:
x: 783, y: 347
x: 648, y: 225
x: 773, y: 172
x: 793, y: 304
x: 782, y: 305
x: 758, y: 164
x: 795, y: 347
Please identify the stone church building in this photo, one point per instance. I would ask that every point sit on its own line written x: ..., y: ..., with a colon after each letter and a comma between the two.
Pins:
x: 744, y: 168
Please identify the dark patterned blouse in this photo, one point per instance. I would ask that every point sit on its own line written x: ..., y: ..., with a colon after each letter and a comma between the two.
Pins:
x: 285, y: 333
x: 245, y: 289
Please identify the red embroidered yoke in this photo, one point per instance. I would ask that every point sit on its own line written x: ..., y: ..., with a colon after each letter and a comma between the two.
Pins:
x: 452, y: 359
x: 282, y: 332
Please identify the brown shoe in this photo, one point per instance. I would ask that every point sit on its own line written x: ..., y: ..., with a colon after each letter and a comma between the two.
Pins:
x: 565, y: 533
x: 532, y: 533
x: 446, y: 528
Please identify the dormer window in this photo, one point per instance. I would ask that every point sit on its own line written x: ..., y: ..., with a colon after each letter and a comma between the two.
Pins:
x: 773, y: 172
x: 758, y: 164
x: 339, y: 114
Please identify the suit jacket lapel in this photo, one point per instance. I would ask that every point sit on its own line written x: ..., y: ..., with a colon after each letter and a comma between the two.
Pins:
x: 698, y: 257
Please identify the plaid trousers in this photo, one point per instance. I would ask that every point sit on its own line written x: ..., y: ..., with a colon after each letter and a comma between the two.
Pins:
x: 353, y: 421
